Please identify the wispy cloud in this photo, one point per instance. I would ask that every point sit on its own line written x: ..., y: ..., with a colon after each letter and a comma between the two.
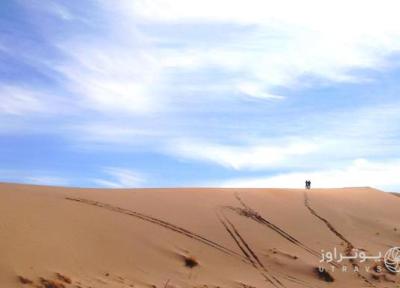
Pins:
x: 319, y: 141
x: 359, y: 173
x: 251, y: 156
x: 109, y: 78
x: 120, y: 178
x: 253, y: 90
x: 134, y: 71
x: 287, y: 43
x: 47, y: 180
x: 33, y: 177
x: 21, y: 101
x: 126, y: 68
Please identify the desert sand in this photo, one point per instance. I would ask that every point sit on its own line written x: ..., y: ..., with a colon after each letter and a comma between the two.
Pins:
x: 206, y: 238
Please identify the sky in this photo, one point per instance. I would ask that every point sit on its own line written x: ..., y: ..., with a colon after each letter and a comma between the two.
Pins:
x: 179, y: 93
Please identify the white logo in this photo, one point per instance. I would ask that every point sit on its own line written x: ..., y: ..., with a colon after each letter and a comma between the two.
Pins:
x: 392, y: 259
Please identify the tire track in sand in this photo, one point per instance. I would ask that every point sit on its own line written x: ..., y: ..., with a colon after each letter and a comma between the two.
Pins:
x: 247, y: 250
x: 250, y: 213
x: 251, y: 255
x: 349, y: 245
x: 161, y: 223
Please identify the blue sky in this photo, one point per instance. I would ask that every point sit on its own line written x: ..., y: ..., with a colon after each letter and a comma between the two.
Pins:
x: 177, y: 93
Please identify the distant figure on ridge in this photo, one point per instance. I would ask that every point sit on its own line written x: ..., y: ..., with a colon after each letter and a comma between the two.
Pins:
x: 308, y: 184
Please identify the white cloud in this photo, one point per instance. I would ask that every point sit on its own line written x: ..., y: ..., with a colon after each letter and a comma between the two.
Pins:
x: 289, y: 39
x: 284, y: 42
x: 251, y: 89
x: 128, y: 70
x: 20, y: 101
x: 309, y: 13
x: 120, y: 178
x: 253, y: 156
x: 383, y: 175
x: 47, y: 180
x: 324, y: 140
x: 110, y: 77
x: 37, y: 177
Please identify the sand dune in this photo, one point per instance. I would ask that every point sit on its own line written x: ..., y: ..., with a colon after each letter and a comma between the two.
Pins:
x: 204, y: 238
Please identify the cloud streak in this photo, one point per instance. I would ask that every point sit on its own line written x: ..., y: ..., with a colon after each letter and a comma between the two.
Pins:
x: 19, y: 101
x: 285, y: 44
x: 256, y: 156
x: 120, y: 178
x: 359, y: 173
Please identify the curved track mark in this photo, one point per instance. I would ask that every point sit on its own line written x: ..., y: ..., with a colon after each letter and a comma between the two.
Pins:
x: 247, y: 251
x: 248, y: 212
x: 349, y: 245
x: 161, y: 223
